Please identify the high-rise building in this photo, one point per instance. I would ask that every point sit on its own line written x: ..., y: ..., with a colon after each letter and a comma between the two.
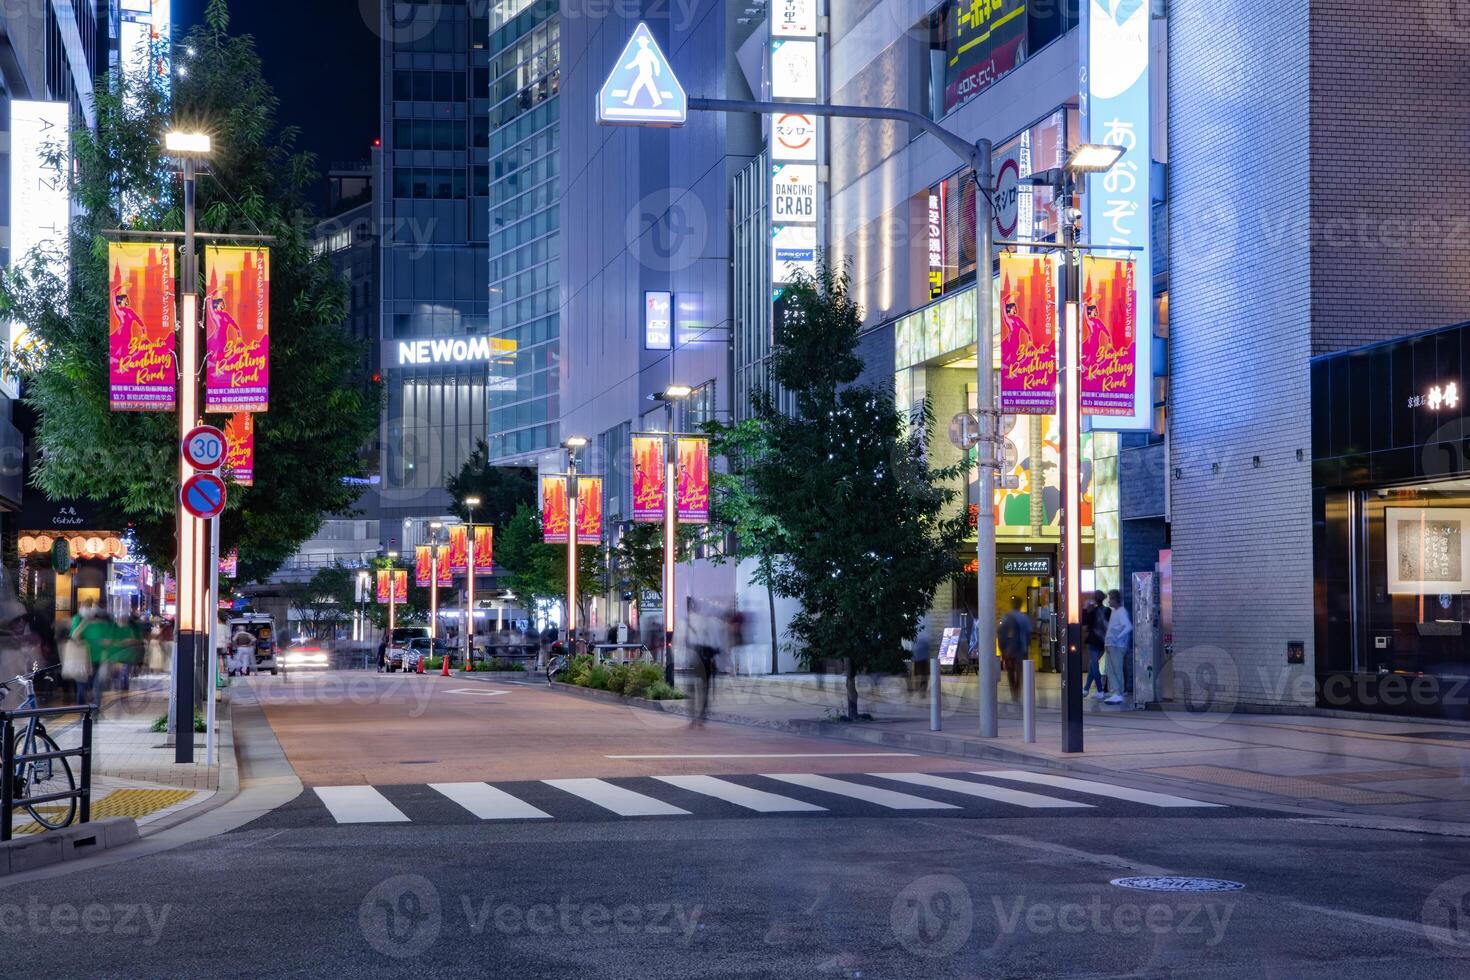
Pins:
x: 525, y: 227
x: 437, y: 357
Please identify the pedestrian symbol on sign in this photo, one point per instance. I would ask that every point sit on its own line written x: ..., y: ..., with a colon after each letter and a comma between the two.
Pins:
x: 641, y: 89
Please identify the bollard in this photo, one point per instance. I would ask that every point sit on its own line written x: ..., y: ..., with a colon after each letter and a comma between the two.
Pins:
x: 934, y: 693
x: 1028, y: 701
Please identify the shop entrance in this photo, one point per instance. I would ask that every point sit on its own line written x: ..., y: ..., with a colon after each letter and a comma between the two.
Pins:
x: 1031, y: 577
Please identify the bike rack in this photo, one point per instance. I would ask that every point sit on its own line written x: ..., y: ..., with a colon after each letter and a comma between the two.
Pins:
x: 83, y: 792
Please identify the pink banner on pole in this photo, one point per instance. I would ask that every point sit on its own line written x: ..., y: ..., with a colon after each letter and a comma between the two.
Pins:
x: 1109, y: 335
x: 1028, y: 335
x: 237, y: 330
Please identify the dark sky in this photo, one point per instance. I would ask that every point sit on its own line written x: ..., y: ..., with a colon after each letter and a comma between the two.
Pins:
x: 322, y: 59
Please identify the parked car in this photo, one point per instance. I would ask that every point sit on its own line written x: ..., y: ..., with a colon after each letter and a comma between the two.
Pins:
x: 419, y: 648
x: 393, y: 647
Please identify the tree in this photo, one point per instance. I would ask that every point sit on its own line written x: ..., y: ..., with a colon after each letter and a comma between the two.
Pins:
x: 500, y: 489
x: 869, y: 530
x: 536, y: 570
x: 326, y: 600
x: 324, y: 409
x: 639, y: 554
x: 412, y: 609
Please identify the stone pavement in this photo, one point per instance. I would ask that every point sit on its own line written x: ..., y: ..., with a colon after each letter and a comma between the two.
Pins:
x: 1391, y: 770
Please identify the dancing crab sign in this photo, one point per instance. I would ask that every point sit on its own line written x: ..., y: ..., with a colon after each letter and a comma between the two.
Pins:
x: 641, y: 90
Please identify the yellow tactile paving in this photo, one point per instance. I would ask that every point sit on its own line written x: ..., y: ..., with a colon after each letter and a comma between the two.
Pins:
x: 135, y: 803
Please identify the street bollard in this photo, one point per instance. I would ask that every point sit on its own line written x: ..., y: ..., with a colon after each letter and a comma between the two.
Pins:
x: 1028, y: 701
x: 934, y: 694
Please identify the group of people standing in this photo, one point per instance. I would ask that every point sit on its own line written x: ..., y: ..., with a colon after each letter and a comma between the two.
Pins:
x: 1108, y: 634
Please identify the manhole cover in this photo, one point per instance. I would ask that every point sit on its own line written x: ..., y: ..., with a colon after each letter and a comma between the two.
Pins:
x: 1443, y: 736
x: 1175, y: 884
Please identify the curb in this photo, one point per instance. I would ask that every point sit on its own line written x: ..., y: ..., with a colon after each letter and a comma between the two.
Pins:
x: 34, y: 852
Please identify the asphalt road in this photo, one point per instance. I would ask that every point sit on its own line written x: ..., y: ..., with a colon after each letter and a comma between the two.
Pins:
x: 984, y: 888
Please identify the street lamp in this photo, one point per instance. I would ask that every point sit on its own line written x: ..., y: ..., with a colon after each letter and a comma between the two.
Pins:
x: 1089, y: 158
x: 671, y: 394
x: 362, y: 591
x: 470, y: 503
x: 392, y: 593
x: 571, y: 444
x: 434, y: 528
x: 194, y: 558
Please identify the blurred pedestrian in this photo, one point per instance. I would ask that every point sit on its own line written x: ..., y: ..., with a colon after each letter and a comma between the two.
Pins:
x: 1095, y: 631
x: 243, y: 643
x: 1119, y: 644
x: 704, y: 630
x: 95, y: 632
x: 921, y: 653
x: 1015, y: 644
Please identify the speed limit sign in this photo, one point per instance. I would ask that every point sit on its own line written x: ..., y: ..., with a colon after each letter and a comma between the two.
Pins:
x: 204, y: 447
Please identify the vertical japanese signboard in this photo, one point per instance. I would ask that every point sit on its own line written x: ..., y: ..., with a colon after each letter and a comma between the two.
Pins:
x: 794, y: 72
x: 648, y: 474
x: 589, y: 510
x: 141, y: 327
x: 555, y: 510
x: 693, y: 499
x: 484, y: 548
x: 237, y: 329
x: 240, y: 449
x: 1028, y: 335
x: 1119, y: 202
x: 459, y: 549
x: 983, y: 41
x: 229, y: 563
x: 1109, y: 336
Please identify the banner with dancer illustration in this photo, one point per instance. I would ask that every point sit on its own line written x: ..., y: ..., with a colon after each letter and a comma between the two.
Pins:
x: 237, y: 329
x: 648, y: 479
x: 140, y: 333
x: 399, y: 578
x: 693, y: 500
x: 1028, y: 335
x: 1109, y: 335
x: 555, y: 512
x: 240, y: 449
x: 589, y: 510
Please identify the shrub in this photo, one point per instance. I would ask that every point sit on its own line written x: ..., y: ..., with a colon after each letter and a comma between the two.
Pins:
x: 496, y: 663
x: 596, y: 678
x: 617, y: 679
x: 661, y: 691
x: 160, y: 724
x: 642, y: 677
x: 576, y: 670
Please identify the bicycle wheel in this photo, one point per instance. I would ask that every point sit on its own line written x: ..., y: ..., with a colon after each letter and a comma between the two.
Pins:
x: 44, y: 778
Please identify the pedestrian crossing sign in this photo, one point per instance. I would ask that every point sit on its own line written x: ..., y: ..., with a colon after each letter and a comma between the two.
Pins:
x: 641, y: 90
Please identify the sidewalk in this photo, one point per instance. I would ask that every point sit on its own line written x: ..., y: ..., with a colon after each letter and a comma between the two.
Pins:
x: 133, y: 769
x: 1397, y: 770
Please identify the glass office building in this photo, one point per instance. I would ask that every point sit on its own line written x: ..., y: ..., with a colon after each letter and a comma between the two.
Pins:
x: 524, y: 226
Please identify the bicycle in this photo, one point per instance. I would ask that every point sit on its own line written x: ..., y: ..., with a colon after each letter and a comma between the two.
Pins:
x: 553, y: 667
x: 46, y: 776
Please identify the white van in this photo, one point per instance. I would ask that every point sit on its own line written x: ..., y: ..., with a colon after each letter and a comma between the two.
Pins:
x: 263, y: 627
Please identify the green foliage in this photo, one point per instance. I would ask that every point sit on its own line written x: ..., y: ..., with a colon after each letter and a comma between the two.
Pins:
x: 868, y: 530
x: 637, y: 680
x: 641, y: 679
x: 639, y: 554
x: 501, y: 490
x: 324, y: 408
x: 497, y: 663
x: 576, y: 670
x: 160, y: 724
x: 596, y: 677
x: 327, y: 599
x: 664, y: 692
x: 536, y: 570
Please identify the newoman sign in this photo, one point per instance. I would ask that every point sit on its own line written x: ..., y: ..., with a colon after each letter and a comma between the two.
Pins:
x: 460, y: 350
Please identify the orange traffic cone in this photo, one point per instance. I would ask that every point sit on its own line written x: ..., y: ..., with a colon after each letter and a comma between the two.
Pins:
x: 421, y: 663
x: 445, y: 671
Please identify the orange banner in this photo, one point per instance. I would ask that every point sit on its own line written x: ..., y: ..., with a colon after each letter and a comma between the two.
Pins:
x: 693, y: 501
x: 589, y: 510
x: 423, y: 566
x: 240, y: 449
x: 237, y: 329
x: 459, y: 549
x: 400, y: 584
x: 140, y: 328
x: 648, y: 479
x: 555, y: 514
x: 484, y: 548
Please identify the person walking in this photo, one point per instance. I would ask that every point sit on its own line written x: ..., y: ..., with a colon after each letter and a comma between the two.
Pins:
x: 1118, y: 643
x: 96, y: 633
x: 704, y: 628
x: 1095, y: 629
x: 1015, y: 644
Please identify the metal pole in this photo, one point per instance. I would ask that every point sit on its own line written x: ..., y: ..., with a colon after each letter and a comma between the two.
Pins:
x: 186, y: 634
x: 1071, y: 444
x: 572, y: 550
x: 934, y: 705
x: 210, y: 709
x: 1028, y: 701
x: 8, y: 750
x: 670, y: 490
x: 987, y: 676
x: 469, y: 601
x: 433, y: 594
x: 86, y: 815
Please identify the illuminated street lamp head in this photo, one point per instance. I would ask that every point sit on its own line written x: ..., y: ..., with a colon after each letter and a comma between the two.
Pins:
x: 392, y: 556
x: 675, y: 392
x: 574, y: 442
x: 472, y: 501
x: 1094, y: 158
x: 435, y: 525
x: 186, y: 144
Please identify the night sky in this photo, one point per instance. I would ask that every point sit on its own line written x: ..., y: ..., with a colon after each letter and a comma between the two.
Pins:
x: 322, y: 59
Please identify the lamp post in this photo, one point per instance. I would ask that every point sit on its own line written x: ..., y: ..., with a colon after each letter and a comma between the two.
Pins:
x: 193, y: 541
x: 392, y: 594
x: 434, y: 528
x: 470, y: 503
x: 1085, y: 159
x: 362, y: 591
x: 571, y: 445
x: 671, y: 394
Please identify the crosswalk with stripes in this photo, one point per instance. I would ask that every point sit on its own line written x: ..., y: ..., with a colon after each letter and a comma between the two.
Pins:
x: 995, y: 793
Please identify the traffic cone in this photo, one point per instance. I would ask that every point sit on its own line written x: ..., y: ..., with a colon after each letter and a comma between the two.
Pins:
x: 445, y: 671
x: 421, y: 663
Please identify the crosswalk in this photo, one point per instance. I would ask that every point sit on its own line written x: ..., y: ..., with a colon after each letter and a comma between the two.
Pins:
x: 975, y: 794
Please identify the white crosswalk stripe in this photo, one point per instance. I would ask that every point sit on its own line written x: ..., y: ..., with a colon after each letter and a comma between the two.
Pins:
x: 752, y: 799
x: 1096, y: 789
x: 359, y: 804
x: 857, y: 791
x: 623, y: 802
x: 982, y: 790
x: 489, y: 803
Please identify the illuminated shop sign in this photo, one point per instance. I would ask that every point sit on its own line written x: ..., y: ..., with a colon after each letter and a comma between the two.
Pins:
x: 793, y: 250
x: 456, y: 350
x: 983, y: 41
x: 1443, y: 395
x: 793, y: 69
x: 794, y: 18
x: 794, y: 137
x: 658, y: 320
x: 936, y: 242
x: 1119, y: 202
x: 794, y: 193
